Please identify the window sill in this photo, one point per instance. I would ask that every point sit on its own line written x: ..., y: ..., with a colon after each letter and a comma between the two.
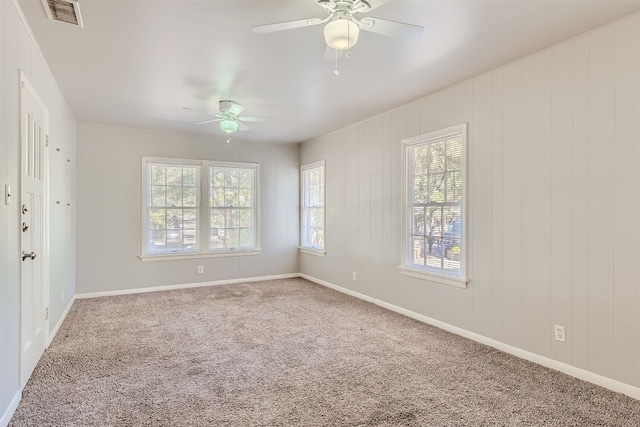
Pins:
x: 310, y: 251
x: 199, y: 255
x: 458, y: 282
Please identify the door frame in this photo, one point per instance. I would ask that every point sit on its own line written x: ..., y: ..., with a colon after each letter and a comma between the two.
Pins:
x: 25, y: 85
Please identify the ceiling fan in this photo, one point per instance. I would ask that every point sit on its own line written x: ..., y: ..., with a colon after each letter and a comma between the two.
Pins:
x: 343, y: 28
x: 229, y: 118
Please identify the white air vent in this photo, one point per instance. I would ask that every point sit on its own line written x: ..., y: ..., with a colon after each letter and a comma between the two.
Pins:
x: 67, y: 11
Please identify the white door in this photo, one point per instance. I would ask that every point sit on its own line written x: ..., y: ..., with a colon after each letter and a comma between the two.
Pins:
x: 34, y: 293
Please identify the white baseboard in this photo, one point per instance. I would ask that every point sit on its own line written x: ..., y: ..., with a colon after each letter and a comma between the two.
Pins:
x: 339, y: 288
x: 55, y: 330
x: 579, y: 373
x: 6, y: 417
x: 184, y: 286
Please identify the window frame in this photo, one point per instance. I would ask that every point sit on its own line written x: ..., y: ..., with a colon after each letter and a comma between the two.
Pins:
x: 407, y: 268
x: 204, y: 202
x: 311, y: 250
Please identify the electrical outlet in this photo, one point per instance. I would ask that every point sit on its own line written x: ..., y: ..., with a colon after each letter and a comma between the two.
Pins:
x: 200, y: 269
x: 560, y: 333
x: 353, y: 275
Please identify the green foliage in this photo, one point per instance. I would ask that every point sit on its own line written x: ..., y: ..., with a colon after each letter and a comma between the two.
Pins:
x: 437, y: 171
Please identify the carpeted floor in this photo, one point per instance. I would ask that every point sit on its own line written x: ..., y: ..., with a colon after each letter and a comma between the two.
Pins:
x: 289, y: 353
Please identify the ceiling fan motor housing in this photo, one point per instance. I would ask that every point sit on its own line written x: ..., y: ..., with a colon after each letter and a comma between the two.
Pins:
x: 349, y: 6
x: 226, y: 105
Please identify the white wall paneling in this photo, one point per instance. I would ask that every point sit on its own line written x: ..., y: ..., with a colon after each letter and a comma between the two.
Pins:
x: 626, y: 204
x: 497, y: 243
x: 536, y: 190
x: 578, y: 332
x: 561, y: 212
x: 602, y: 51
x: 554, y: 202
x: 512, y: 205
x: 479, y: 198
x: 464, y: 114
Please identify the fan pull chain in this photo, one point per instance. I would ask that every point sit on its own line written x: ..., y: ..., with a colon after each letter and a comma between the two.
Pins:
x: 348, y: 51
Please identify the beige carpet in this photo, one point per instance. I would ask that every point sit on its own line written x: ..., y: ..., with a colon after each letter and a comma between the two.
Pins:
x: 289, y: 353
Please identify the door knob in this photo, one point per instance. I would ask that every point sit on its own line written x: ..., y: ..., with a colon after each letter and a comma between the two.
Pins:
x: 31, y: 255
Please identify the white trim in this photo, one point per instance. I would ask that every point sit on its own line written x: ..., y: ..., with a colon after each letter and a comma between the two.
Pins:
x: 197, y: 255
x: 184, y: 286
x: 437, y: 134
x: 458, y: 282
x: 313, y: 165
x: 203, y: 207
x: 36, y: 46
x: 339, y: 288
x: 582, y: 374
x: 303, y: 169
x: 56, y: 328
x: 465, y: 261
x: 171, y: 161
x: 145, y: 195
x: 11, y: 409
x: 310, y: 251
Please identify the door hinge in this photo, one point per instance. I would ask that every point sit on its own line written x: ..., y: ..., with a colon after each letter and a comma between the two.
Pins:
x: 46, y: 313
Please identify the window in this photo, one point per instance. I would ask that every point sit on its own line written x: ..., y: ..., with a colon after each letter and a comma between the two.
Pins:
x: 435, y: 206
x: 312, y: 209
x: 173, y: 204
x: 232, y: 196
x: 179, y: 221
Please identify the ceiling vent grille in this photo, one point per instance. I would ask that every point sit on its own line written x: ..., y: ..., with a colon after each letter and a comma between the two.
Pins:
x: 67, y: 11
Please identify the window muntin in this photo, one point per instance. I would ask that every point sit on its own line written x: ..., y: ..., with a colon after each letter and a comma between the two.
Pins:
x: 312, y: 221
x: 435, y: 216
x: 177, y: 222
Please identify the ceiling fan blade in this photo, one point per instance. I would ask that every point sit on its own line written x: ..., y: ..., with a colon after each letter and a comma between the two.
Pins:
x: 289, y: 25
x: 399, y: 30
x: 200, y: 112
x: 207, y: 121
x: 376, y: 3
x: 252, y: 119
x: 235, y: 109
x: 330, y: 53
x: 242, y: 126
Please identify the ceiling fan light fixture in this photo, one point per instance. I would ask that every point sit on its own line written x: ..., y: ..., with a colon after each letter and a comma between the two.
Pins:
x: 228, y: 126
x: 341, y: 34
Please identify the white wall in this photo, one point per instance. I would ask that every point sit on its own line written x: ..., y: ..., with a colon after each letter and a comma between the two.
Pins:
x: 109, y: 206
x: 554, y: 203
x: 18, y: 51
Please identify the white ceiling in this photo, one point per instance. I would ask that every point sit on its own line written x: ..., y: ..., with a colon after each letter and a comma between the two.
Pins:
x: 139, y: 62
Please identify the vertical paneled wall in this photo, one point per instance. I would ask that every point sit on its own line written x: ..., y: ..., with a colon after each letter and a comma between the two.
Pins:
x: 554, y: 203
